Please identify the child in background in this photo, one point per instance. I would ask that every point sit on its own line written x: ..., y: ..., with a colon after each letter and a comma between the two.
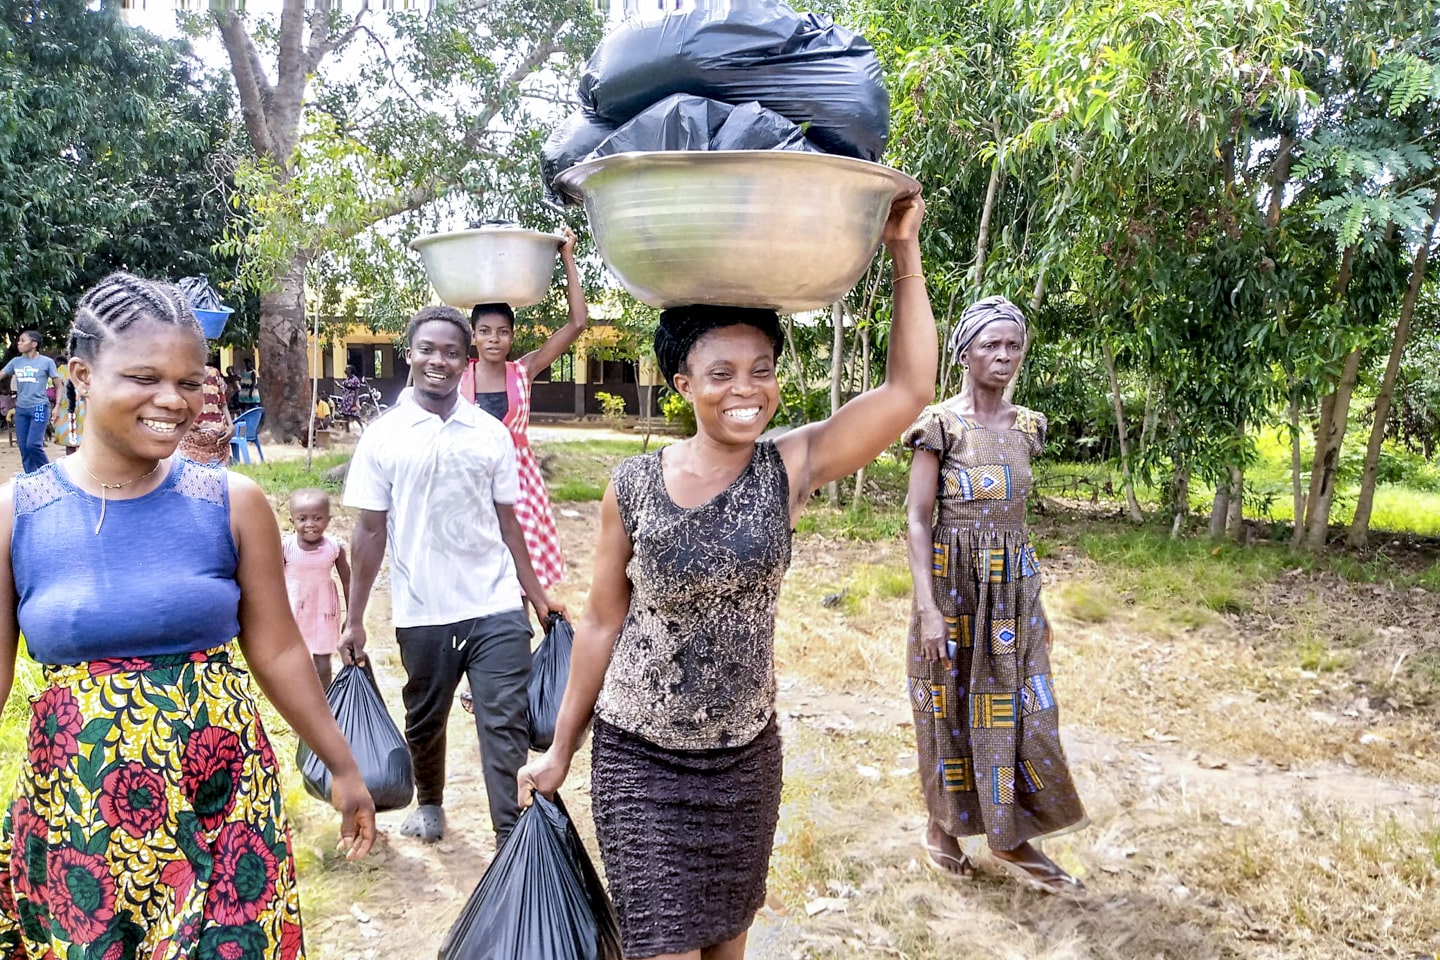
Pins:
x: 311, y: 560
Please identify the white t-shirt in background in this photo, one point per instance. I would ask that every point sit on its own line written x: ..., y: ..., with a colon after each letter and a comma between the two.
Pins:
x: 439, y: 481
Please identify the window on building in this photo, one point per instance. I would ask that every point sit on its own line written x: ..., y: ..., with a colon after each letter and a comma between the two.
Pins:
x: 561, y: 371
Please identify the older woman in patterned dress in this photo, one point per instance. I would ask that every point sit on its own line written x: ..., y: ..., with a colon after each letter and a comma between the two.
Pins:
x: 978, y: 658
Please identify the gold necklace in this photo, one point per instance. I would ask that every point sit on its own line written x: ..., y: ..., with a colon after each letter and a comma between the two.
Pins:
x: 104, y: 487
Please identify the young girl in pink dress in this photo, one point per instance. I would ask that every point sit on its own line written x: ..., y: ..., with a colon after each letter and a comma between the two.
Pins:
x: 311, y: 561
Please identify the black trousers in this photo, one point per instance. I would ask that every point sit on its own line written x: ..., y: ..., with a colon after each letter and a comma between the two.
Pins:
x: 494, y: 652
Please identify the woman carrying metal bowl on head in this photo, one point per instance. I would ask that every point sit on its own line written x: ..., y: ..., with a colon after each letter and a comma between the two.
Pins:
x: 979, y: 650
x: 674, y: 654
x: 501, y: 387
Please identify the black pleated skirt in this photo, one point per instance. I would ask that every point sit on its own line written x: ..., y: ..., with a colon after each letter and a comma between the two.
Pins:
x: 685, y: 836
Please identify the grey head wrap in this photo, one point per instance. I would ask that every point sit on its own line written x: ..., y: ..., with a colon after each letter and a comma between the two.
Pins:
x: 980, y: 315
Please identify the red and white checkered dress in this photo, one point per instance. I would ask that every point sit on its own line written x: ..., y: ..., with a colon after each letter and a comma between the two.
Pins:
x: 533, y: 509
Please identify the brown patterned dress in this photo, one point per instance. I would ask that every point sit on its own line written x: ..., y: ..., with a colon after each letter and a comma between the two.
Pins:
x: 207, y: 440
x: 986, y: 724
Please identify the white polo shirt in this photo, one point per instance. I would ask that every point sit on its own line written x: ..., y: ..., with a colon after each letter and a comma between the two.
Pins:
x: 439, y: 481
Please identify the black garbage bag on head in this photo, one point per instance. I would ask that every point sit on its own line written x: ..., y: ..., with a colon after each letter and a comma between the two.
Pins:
x: 549, y: 670
x: 685, y: 122
x: 803, y: 67
x: 200, y: 294
x: 567, y: 145
x: 540, y: 899
x: 379, y: 749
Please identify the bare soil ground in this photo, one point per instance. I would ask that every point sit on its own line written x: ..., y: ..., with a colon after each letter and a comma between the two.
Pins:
x: 1261, y: 783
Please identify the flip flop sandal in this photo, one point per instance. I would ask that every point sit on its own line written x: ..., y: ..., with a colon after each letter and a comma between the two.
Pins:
x: 1044, y: 875
x: 426, y: 824
x: 936, y: 859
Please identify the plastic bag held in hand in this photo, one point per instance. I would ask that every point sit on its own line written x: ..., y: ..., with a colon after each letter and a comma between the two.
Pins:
x: 539, y: 900
x: 379, y: 748
x: 549, y: 669
x: 802, y: 66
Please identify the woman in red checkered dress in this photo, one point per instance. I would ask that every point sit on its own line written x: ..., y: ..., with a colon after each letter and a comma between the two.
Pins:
x: 502, y: 387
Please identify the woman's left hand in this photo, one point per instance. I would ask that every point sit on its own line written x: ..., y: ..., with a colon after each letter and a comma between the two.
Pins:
x: 567, y: 249
x: 349, y: 795
x: 903, y: 224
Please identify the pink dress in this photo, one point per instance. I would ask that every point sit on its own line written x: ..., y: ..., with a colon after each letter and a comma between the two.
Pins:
x: 310, y: 581
x: 533, y: 509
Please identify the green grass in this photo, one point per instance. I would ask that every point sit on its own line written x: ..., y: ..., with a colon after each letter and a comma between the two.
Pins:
x: 577, y: 471
x: 854, y: 521
x: 280, y: 478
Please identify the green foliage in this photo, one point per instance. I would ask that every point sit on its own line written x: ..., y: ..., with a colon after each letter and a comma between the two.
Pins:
x: 280, y: 478
x: 113, y: 146
x: 578, y: 471
x: 678, y: 413
x: 613, y: 409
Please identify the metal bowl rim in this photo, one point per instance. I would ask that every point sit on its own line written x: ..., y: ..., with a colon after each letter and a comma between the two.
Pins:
x: 491, y: 231
x: 571, y: 182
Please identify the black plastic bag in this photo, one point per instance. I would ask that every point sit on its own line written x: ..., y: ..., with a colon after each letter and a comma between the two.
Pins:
x: 549, y: 670
x: 567, y: 145
x: 379, y: 748
x: 803, y: 67
x: 200, y: 294
x: 685, y: 122
x: 539, y: 900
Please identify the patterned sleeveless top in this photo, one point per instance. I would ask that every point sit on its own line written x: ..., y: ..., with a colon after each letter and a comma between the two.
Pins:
x: 694, y: 666
x: 158, y: 579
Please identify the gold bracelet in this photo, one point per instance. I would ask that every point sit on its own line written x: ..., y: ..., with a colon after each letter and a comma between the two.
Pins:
x: 907, y: 277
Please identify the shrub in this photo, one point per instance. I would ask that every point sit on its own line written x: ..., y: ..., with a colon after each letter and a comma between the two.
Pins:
x: 613, y: 409
x: 678, y: 413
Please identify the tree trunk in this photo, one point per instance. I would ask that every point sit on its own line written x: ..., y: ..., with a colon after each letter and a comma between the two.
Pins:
x: 1334, y: 415
x: 1147, y: 421
x: 982, y: 238
x: 1297, y: 493
x: 1235, y: 516
x: 864, y: 331
x: 800, y: 383
x: 1360, y: 526
x: 1220, y: 509
x: 1180, y: 491
x: 1330, y: 433
x: 1132, y: 505
x: 837, y: 355
x: 283, y: 357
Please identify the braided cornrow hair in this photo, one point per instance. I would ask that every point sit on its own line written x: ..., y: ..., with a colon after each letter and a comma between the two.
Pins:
x: 115, y: 304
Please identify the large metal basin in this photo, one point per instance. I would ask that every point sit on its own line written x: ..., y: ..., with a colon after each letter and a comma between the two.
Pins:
x: 497, y: 264
x: 745, y: 228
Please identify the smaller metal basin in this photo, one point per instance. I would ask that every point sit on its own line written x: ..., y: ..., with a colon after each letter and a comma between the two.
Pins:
x: 769, y: 229
x: 489, y: 265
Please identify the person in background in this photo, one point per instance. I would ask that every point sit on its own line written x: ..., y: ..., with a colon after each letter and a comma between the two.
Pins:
x: 148, y: 821
x: 33, y: 374
x: 69, y: 416
x: 986, y: 722
x: 249, y: 387
x: 312, y: 561
x: 674, y: 655
x: 436, y: 479
x: 350, y: 389
x: 232, y: 390
x: 208, y: 439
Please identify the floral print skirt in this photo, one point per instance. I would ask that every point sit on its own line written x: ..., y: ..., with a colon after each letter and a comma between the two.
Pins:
x: 148, y: 822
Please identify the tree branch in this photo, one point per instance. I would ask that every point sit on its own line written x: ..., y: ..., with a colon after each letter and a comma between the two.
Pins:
x: 322, y: 44
x: 527, y: 65
x: 250, y: 82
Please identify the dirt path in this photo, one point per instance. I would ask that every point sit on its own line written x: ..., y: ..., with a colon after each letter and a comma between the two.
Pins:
x: 1185, y: 846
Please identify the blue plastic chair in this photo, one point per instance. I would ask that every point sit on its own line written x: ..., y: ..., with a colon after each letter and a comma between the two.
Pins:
x: 247, y: 431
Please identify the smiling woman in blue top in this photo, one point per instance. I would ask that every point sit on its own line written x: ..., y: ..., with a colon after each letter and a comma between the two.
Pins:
x: 33, y: 373
x: 148, y: 819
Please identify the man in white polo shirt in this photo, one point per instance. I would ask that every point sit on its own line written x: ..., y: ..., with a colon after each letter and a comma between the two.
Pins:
x: 437, y: 477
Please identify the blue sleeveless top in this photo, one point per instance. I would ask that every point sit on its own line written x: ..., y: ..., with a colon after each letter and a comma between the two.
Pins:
x: 159, y: 577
